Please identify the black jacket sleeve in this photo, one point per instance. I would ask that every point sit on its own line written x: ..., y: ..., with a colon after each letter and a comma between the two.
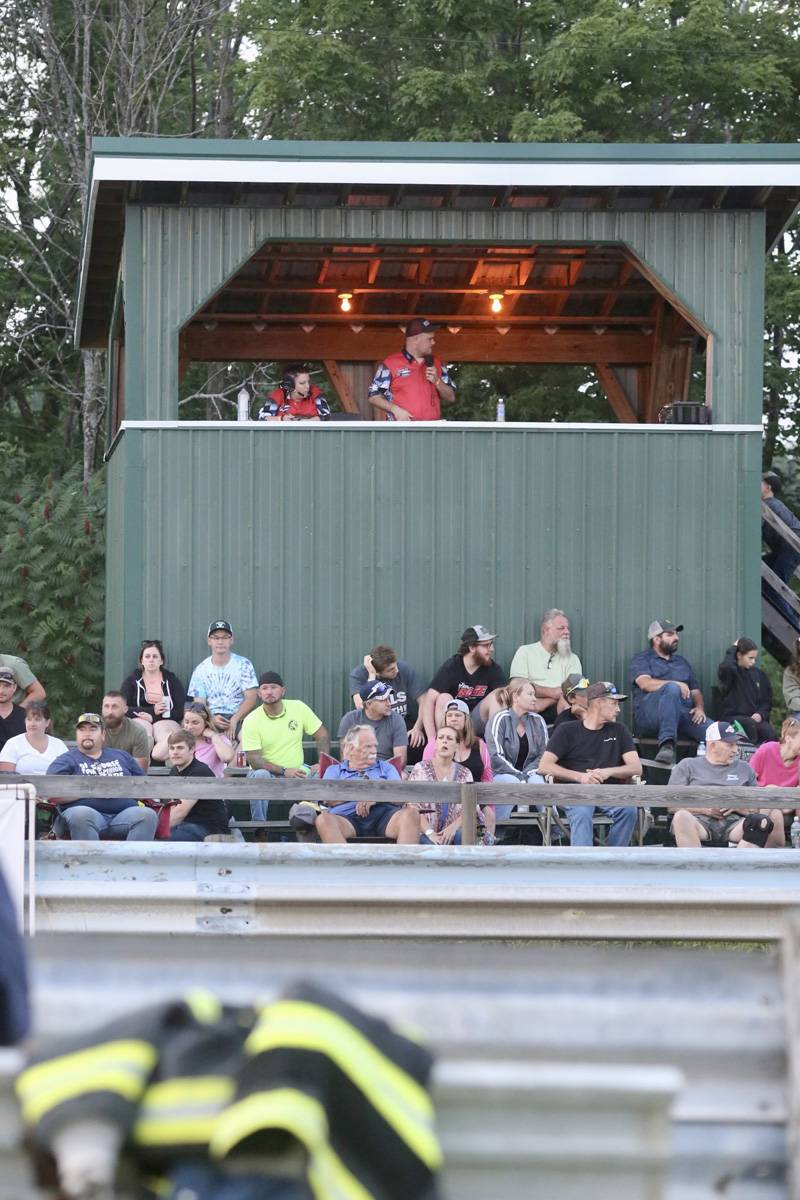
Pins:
x: 128, y: 689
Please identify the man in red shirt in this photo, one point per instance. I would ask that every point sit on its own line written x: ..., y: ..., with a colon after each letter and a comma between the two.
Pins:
x: 295, y: 399
x: 412, y: 384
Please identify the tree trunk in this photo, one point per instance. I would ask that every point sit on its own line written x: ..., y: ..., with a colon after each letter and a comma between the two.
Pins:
x: 92, y: 407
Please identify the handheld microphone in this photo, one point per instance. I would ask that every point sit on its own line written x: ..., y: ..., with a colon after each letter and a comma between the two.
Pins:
x: 428, y: 360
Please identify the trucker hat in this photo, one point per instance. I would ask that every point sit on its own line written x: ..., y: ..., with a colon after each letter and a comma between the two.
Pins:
x: 219, y: 627
x: 722, y: 731
x: 477, y: 633
x: 661, y: 626
x: 598, y: 691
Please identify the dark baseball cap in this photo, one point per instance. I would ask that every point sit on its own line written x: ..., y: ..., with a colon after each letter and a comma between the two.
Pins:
x: 270, y: 677
x: 219, y: 627
x: 477, y: 633
x: 599, y: 691
x: 661, y: 626
x: 420, y: 325
x: 90, y: 718
x: 373, y: 689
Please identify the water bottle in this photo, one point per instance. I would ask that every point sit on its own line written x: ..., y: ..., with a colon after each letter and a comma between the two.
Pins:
x: 794, y: 834
x: 501, y: 410
x: 243, y: 405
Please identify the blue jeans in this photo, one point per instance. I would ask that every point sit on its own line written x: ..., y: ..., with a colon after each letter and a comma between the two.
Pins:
x: 188, y: 831
x: 665, y: 713
x: 623, y: 821
x: 501, y: 811
x: 260, y: 808
x: 134, y: 824
x: 204, y: 1181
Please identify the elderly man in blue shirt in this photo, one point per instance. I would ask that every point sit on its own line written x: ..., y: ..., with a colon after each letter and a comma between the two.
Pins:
x: 366, y: 818
x: 667, y: 700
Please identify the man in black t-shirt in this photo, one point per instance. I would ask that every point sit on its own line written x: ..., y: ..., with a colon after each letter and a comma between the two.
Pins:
x: 470, y: 675
x: 192, y: 820
x: 12, y: 716
x: 595, y: 750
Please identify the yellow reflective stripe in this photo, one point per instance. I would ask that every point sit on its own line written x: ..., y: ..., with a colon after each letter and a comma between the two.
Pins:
x: 182, y: 1111
x: 303, y: 1117
x: 204, y: 1006
x: 402, y: 1102
x: 121, y: 1067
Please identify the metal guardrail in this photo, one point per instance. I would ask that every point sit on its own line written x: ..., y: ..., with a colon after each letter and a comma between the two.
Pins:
x: 717, y: 1016
x: 296, y: 891
x: 501, y: 1124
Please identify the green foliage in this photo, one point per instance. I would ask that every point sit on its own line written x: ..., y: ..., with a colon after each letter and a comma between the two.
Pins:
x: 774, y: 672
x: 51, y: 586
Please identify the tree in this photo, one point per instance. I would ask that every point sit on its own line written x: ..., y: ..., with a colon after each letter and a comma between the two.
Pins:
x: 76, y: 69
x: 51, y: 585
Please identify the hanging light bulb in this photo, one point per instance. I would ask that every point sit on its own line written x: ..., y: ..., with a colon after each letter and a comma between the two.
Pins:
x: 497, y: 301
x: 344, y: 301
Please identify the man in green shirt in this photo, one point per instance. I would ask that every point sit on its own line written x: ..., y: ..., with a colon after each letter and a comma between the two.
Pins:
x: 547, y: 663
x: 28, y: 686
x: 272, y: 736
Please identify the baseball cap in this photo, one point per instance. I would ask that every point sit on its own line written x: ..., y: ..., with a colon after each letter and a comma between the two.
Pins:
x: 477, y: 633
x: 722, y: 731
x: 597, y: 691
x: 459, y: 705
x: 373, y: 689
x: 420, y: 325
x: 89, y: 718
x: 661, y: 626
x: 219, y: 627
x: 573, y: 683
x: 270, y: 677
x: 7, y: 676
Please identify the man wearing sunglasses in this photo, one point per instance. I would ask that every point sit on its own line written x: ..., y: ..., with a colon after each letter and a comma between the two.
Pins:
x: 117, y: 818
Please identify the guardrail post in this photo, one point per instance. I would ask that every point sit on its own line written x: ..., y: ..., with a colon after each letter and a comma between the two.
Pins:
x: 791, y: 1004
x: 469, y: 815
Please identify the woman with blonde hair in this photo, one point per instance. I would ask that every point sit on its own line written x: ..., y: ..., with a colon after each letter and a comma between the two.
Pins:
x: 471, y: 750
x: 516, y: 737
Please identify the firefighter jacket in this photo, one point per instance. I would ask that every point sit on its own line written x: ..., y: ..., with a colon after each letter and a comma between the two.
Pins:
x: 308, y: 1073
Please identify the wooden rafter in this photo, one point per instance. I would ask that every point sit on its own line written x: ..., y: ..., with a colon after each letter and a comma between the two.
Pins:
x: 615, y: 394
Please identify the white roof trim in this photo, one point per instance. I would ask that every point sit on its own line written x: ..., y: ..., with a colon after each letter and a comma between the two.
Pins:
x: 433, y: 174
x: 476, y: 426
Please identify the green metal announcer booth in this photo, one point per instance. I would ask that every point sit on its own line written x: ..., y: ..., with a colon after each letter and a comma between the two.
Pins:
x: 317, y: 541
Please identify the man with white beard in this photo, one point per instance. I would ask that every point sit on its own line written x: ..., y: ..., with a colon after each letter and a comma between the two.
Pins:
x: 547, y: 663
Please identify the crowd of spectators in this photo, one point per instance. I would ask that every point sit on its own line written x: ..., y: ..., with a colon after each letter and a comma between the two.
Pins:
x: 471, y: 723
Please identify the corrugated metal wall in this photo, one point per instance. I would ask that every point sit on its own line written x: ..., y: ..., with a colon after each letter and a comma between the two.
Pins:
x: 316, y: 543
x: 176, y: 258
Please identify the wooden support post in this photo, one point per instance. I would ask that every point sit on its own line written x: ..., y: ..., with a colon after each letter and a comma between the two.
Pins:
x: 351, y: 382
x: 469, y: 815
x: 617, y: 397
x: 340, y: 385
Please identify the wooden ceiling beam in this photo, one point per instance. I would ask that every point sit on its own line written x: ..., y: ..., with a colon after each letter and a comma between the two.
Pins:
x: 574, y: 268
x: 624, y: 275
x: 404, y: 287
x: 519, y: 345
x: 390, y: 320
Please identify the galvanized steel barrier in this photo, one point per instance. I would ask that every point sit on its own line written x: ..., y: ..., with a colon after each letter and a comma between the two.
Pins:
x: 455, y: 940
x: 501, y: 1125
x: 294, y: 890
x: 715, y: 1015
